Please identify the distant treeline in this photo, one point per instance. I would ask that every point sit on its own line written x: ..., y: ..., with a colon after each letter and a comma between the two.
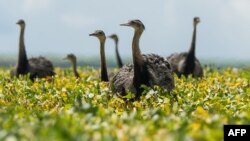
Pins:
x: 10, y: 60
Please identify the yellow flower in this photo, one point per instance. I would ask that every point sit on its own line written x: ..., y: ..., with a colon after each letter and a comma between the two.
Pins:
x: 200, y: 111
x: 237, y: 97
x: 195, y: 126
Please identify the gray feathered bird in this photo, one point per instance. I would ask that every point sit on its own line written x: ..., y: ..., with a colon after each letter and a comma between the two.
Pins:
x: 118, y: 57
x: 186, y: 63
x: 102, y: 38
x: 72, y: 58
x: 149, y: 70
x: 36, y: 67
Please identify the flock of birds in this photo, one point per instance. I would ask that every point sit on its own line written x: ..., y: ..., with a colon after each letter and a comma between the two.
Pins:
x: 146, y: 69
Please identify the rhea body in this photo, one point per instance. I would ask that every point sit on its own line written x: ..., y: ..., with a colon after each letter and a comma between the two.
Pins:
x: 102, y: 38
x: 118, y: 57
x: 73, y: 60
x: 149, y: 70
x: 186, y: 63
x: 38, y: 67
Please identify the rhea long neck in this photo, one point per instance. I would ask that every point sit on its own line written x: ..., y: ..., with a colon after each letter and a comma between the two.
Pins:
x: 140, y: 72
x: 74, y: 69
x: 191, y: 53
x: 104, y: 74
x: 137, y: 57
x: 22, y: 57
x: 118, y: 57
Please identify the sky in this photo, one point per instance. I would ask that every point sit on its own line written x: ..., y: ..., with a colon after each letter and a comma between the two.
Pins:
x: 59, y: 27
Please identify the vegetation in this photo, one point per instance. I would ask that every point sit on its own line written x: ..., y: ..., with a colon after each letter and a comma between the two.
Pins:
x: 85, y: 109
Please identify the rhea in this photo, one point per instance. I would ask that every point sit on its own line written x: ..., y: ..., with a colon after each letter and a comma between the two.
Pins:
x: 73, y: 60
x: 186, y: 63
x: 149, y: 70
x: 118, y: 57
x: 102, y: 38
x: 36, y: 67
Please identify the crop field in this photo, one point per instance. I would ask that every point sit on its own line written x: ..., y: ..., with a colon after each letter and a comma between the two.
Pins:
x: 66, y: 108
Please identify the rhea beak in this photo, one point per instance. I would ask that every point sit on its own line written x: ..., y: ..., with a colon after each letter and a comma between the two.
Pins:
x: 125, y: 24
x: 92, y: 34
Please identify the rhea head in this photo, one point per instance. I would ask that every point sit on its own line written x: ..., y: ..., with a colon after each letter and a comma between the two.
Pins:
x: 136, y: 24
x: 114, y: 37
x: 196, y: 21
x: 99, y: 34
x: 71, y: 57
x: 21, y: 23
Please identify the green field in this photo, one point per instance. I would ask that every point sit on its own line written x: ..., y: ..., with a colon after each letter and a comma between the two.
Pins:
x: 86, y: 109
